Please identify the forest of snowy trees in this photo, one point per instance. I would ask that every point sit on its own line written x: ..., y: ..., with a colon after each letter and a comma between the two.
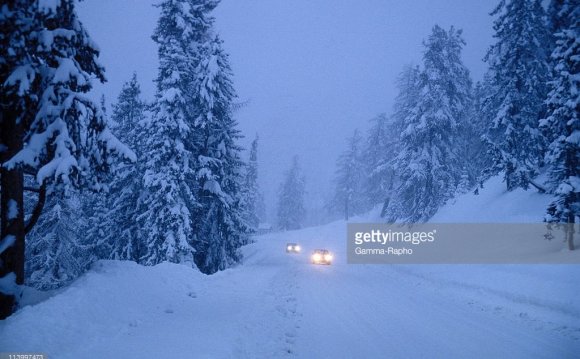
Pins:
x: 446, y: 135
x: 153, y: 182
x: 167, y: 180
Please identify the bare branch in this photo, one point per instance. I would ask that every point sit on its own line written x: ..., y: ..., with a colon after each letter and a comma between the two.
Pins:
x: 538, y: 187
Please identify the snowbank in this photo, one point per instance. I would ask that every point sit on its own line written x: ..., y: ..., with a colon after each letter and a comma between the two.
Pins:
x: 108, y: 301
x: 494, y: 204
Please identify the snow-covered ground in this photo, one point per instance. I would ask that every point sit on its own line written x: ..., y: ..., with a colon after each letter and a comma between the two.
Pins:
x: 279, y: 305
x: 494, y: 204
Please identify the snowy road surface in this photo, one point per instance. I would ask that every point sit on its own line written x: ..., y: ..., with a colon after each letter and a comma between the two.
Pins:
x: 279, y: 305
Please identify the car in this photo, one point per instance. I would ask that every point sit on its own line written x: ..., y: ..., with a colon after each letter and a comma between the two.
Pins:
x: 293, y: 248
x: 321, y: 256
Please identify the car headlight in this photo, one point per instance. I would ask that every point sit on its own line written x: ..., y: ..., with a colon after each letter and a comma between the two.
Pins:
x: 297, y: 248
x: 316, y: 257
x: 328, y: 257
x: 289, y: 248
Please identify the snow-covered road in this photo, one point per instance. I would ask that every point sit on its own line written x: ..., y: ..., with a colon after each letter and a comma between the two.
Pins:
x: 350, y: 311
x: 279, y: 305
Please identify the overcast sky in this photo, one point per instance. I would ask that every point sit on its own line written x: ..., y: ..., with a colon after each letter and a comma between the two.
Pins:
x: 312, y: 70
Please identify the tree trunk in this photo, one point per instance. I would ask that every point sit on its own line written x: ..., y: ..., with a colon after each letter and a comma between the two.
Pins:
x: 12, y: 224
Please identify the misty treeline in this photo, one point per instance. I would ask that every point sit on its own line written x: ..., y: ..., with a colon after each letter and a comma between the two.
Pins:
x: 447, y: 135
x: 152, y: 182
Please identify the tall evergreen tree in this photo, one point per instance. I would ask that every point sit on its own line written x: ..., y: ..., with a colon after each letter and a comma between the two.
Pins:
x: 429, y: 163
x: 60, y: 248
x: 115, y: 224
x: 191, y: 209
x: 409, y: 86
x: 252, y: 195
x: 49, y: 128
x: 477, y: 159
x: 380, y: 148
x: 168, y: 201
x: 349, y: 196
x: 562, y: 123
x: 291, y: 198
x: 220, y: 226
x: 519, y: 73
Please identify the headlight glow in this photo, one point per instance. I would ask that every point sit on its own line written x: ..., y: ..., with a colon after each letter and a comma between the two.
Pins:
x: 328, y: 257
x: 297, y: 248
x: 316, y: 257
x: 289, y: 248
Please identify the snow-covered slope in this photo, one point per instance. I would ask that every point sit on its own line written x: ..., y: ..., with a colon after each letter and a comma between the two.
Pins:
x: 280, y: 305
x: 494, y: 204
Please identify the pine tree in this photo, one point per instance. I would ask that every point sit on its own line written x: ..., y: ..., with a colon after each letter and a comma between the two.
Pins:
x: 429, y: 164
x: 192, y: 207
x: 518, y: 74
x: 478, y: 159
x: 168, y: 200
x: 115, y: 224
x: 291, y: 198
x: 562, y: 124
x: 380, y: 149
x: 56, y: 251
x: 252, y: 195
x: 49, y: 128
x: 349, y: 196
x: 60, y: 247
x: 220, y: 226
x: 409, y: 86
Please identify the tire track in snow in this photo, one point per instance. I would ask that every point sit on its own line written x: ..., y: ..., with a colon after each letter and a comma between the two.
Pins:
x: 284, y: 289
x: 271, y: 325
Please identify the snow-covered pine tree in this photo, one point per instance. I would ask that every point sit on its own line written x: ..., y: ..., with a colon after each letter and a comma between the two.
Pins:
x: 562, y: 124
x: 60, y: 246
x: 166, y: 206
x: 261, y: 210
x: 409, y: 86
x: 349, y: 197
x: 478, y: 159
x: 429, y: 162
x: 291, y: 198
x: 115, y: 225
x: 49, y: 128
x: 379, y: 150
x: 56, y: 250
x: 519, y: 73
x: 251, y: 188
x: 220, y: 226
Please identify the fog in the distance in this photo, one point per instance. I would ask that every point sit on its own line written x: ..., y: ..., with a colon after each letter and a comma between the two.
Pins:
x: 313, y: 71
